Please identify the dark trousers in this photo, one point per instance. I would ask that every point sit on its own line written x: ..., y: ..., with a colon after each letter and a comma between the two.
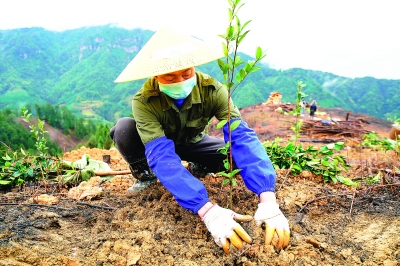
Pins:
x: 129, y: 144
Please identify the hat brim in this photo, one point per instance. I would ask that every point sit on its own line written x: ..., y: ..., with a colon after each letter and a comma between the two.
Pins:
x: 168, y: 51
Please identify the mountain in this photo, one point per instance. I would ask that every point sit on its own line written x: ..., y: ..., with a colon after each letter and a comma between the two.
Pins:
x: 77, y: 68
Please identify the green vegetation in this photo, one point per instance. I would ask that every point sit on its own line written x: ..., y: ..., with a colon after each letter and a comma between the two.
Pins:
x: 319, y: 161
x: 374, y: 141
x: 21, y: 167
x: 395, y: 120
x: 235, y: 34
x: 14, y: 136
x: 77, y: 67
x: 296, y: 128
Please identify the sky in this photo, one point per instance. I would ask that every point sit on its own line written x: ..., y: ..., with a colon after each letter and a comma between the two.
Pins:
x: 350, y: 38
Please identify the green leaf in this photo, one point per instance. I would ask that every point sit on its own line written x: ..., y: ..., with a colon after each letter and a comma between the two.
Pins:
x: 224, y: 174
x: 230, y: 32
x: 297, y: 167
x: 238, y: 25
x: 325, y: 163
x: 241, y: 37
x: 258, y: 53
x: 234, y: 172
x: 223, y: 66
x: 254, y: 69
x: 226, y: 181
x: 230, y: 85
x: 221, y: 124
x: 238, y: 61
x: 222, y: 151
x: 245, y: 24
x: 225, y: 50
x: 347, y: 181
x: 243, y: 73
x: 230, y: 15
x: 222, y: 36
x: 227, y: 145
x: 226, y: 164
x: 234, y: 124
x: 87, y: 174
x: 248, y: 66
x: 238, y: 77
x: 6, y: 158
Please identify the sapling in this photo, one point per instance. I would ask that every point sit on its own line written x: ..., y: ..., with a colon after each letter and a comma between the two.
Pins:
x: 234, y: 73
x: 296, y: 128
x: 20, y: 167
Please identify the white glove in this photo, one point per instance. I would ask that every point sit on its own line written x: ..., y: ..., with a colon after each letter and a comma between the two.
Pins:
x: 270, y: 214
x: 221, y: 224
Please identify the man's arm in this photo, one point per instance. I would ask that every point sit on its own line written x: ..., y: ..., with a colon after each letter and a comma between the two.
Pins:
x: 188, y: 191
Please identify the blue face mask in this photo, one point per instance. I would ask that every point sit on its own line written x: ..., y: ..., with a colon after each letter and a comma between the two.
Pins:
x: 179, y: 90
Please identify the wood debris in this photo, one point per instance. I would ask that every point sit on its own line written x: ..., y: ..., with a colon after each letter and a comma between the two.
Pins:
x: 335, y: 130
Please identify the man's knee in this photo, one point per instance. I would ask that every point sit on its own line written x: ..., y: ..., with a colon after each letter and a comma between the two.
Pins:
x: 124, y: 124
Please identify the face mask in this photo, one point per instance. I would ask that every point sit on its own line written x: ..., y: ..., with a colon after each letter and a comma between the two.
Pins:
x: 179, y: 90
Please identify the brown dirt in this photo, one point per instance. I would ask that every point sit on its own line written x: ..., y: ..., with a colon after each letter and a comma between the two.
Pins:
x: 331, y: 224
x: 269, y: 124
x: 66, y: 143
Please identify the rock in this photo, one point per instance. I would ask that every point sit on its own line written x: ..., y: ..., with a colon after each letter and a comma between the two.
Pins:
x: 274, y: 98
x: 84, y: 191
x: 45, y: 199
x: 346, y: 253
x: 132, y: 258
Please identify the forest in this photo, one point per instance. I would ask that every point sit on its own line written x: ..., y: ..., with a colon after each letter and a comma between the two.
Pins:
x: 76, y: 68
x: 15, y: 134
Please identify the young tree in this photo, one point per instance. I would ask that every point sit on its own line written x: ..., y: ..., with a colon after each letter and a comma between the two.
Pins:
x: 234, y: 73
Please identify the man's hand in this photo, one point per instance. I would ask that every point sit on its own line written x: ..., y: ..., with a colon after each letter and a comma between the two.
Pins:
x: 270, y: 214
x: 222, y: 225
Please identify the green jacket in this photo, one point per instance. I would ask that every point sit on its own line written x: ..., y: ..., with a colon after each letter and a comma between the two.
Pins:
x: 156, y: 114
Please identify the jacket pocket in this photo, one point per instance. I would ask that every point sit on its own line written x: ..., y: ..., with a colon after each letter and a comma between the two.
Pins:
x: 195, y: 127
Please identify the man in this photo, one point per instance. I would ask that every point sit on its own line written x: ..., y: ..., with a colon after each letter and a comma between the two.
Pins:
x: 170, y: 112
x: 313, y: 108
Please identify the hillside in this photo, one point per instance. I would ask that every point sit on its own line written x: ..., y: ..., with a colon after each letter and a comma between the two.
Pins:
x: 65, y: 142
x: 77, y: 68
x: 331, y: 224
x: 269, y: 124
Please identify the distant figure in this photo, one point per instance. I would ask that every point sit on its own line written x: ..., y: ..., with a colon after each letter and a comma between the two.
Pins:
x: 303, y: 107
x: 313, y: 108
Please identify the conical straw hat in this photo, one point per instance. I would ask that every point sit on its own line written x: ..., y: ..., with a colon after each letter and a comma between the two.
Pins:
x: 168, y: 51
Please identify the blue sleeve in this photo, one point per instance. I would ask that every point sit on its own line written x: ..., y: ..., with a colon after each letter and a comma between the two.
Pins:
x: 187, y: 190
x: 249, y: 155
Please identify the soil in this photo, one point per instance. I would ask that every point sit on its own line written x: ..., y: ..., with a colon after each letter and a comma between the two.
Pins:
x: 331, y: 224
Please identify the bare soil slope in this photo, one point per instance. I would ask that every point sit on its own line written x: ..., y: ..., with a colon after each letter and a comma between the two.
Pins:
x: 331, y: 224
